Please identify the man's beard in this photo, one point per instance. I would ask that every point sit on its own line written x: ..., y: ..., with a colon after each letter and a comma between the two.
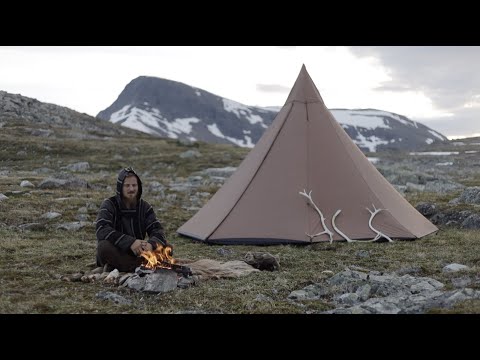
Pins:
x: 131, y: 199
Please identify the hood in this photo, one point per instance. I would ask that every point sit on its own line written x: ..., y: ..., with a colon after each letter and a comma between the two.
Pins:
x: 120, y: 179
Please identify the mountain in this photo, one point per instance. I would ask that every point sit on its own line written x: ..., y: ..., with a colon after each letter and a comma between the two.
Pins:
x: 375, y: 130
x: 45, y: 116
x: 172, y: 109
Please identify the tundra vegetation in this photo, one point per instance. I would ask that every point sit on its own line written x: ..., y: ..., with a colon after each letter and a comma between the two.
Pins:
x: 38, y: 250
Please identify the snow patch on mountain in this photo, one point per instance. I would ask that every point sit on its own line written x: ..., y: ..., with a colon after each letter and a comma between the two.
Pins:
x: 370, y: 142
x: 149, y: 121
x: 434, y: 133
x: 242, y: 111
x: 247, y: 142
x: 370, y: 120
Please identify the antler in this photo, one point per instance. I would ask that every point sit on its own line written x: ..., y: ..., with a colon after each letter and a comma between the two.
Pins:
x: 337, y: 229
x: 322, y: 218
x: 330, y: 234
x: 379, y: 233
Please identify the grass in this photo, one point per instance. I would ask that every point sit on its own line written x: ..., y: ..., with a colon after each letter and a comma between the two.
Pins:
x: 32, y: 263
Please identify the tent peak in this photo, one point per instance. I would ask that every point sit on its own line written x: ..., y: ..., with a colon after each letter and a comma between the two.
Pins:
x: 304, y: 90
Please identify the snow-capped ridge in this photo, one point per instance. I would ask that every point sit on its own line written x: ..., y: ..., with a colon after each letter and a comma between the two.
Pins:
x: 172, y: 109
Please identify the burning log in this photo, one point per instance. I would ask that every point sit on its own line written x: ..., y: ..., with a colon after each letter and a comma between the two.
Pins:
x: 184, y: 270
x: 161, y: 258
x: 181, y: 269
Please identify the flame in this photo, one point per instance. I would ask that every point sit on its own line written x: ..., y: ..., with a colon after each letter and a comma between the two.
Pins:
x: 161, y: 257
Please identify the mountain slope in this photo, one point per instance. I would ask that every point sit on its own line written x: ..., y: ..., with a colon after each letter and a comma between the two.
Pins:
x: 45, y: 116
x: 172, y: 109
x: 374, y: 129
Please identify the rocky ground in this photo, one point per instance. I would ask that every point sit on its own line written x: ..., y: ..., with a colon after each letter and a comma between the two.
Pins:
x: 51, y: 186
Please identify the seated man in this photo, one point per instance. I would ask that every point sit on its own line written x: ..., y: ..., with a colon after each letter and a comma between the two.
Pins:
x: 122, y: 224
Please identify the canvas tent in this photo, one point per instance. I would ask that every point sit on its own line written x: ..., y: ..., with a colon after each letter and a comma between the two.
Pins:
x: 305, y: 148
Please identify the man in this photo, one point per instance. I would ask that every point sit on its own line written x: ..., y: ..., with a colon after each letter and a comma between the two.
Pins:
x: 122, y: 224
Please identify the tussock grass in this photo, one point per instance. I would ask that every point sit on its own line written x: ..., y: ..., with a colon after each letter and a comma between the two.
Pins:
x: 33, y: 262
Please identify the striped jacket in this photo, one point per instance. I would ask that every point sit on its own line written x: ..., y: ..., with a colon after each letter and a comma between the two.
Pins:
x: 122, y: 226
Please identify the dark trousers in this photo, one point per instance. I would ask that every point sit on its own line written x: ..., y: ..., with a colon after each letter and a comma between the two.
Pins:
x: 107, y: 253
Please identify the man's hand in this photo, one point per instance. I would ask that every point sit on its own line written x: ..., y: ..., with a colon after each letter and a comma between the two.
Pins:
x: 146, y: 246
x: 138, y: 246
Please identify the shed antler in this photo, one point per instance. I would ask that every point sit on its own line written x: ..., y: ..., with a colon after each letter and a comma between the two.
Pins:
x: 322, y: 218
x: 379, y: 233
x: 337, y: 229
x: 330, y: 234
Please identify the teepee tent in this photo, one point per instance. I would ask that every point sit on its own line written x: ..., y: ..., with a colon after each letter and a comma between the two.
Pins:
x: 304, y: 168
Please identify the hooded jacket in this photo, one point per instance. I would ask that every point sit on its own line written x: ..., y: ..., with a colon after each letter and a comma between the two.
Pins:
x: 122, y: 226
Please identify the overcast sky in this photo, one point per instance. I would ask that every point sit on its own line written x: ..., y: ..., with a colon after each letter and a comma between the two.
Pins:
x: 436, y: 85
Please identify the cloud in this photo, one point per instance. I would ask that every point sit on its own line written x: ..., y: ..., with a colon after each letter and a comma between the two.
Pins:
x: 448, y: 75
x: 273, y: 88
x: 463, y: 123
x: 394, y: 87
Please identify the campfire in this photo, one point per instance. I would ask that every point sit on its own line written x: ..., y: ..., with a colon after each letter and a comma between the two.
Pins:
x: 161, y: 258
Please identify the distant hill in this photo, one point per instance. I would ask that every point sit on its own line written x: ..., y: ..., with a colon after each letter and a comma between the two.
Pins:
x: 15, y: 107
x: 172, y: 109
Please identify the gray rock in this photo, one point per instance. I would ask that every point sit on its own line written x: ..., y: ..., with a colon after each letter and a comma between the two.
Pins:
x: 426, y: 209
x: 471, y: 222
x: 117, y: 299
x: 190, y: 154
x: 32, y: 226
x: 78, y: 167
x: 158, y: 282
x: 310, y: 292
x: 63, y: 181
x: 73, y: 226
x: 222, y: 172
x: 161, y: 281
x: 442, y: 186
x: 348, y: 298
x: 51, y: 215
x: 26, y: 183
x: 454, y: 268
x: 184, y: 283
x: 225, y: 252
x: 411, y: 187
x: 363, y: 253
x: 470, y: 195
x: 461, y: 282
